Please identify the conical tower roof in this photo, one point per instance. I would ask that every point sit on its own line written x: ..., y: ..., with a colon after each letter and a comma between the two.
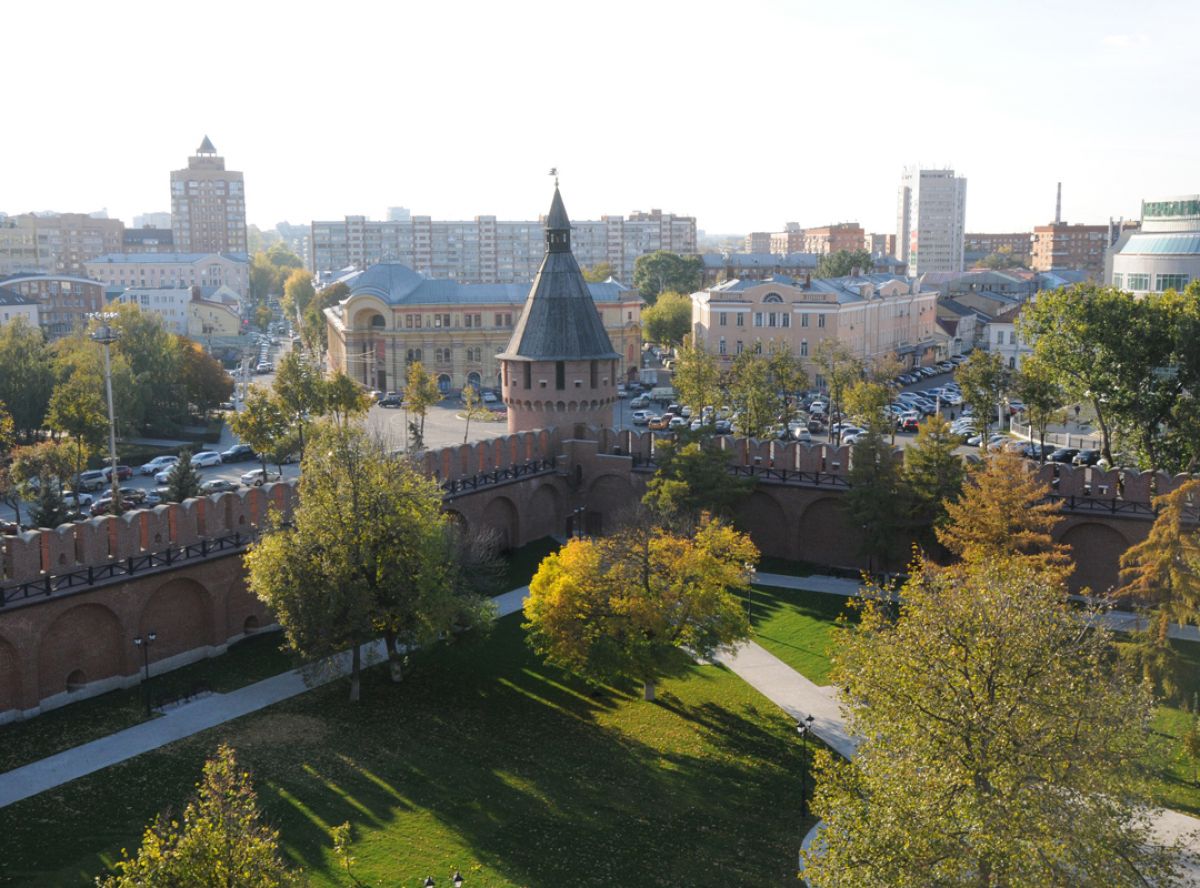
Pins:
x: 206, y: 147
x: 560, y: 321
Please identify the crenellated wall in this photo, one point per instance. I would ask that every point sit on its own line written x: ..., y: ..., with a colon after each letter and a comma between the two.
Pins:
x: 74, y: 597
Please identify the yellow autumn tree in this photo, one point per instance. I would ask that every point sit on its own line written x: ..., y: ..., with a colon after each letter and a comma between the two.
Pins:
x: 623, y: 605
x: 1003, y: 511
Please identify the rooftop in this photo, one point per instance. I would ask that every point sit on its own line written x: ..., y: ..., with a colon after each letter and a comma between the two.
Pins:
x: 162, y: 258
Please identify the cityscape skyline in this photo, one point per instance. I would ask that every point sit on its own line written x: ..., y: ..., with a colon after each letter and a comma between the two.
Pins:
x: 1015, y: 100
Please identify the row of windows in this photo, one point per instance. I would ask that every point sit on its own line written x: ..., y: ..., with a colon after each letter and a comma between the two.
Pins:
x: 1141, y: 282
x: 739, y: 347
x: 445, y: 355
x: 768, y: 319
x: 416, y: 321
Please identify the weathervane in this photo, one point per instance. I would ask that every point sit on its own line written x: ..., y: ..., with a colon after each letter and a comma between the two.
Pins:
x: 554, y: 173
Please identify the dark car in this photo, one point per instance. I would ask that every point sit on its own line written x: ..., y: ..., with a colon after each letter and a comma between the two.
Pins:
x: 908, y: 424
x: 124, y: 473
x: 391, y: 401
x: 238, y: 453
x: 1064, y: 455
x: 1087, y: 457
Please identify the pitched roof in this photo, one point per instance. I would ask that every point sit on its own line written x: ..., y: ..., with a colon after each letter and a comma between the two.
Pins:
x: 12, y: 297
x: 397, y: 284
x: 206, y: 147
x: 560, y: 321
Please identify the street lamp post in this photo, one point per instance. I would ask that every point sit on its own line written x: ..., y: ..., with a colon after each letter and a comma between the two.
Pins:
x: 750, y: 595
x: 106, y: 336
x: 804, y: 728
x: 144, y: 644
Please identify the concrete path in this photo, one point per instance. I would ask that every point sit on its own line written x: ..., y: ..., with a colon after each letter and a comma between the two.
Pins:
x: 207, y: 712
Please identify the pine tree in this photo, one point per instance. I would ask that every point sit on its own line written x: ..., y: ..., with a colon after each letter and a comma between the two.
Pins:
x: 49, y: 509
x: 933, y: 476
x: 874, y: 502
x: 183, y: 481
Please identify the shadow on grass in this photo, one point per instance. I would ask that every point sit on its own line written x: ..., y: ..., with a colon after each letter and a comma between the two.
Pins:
x: 482, y: 759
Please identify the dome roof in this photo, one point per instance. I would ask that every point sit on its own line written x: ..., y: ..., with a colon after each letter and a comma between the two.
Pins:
x: 390, y: 281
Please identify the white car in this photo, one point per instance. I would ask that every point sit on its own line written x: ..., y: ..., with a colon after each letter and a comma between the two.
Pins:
x: 258, y: 477
x: 158, y: 464
x: 206, y: 458
x: 641, y: 417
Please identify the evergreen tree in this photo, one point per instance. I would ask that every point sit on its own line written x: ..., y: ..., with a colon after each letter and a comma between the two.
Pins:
x: 49, y: 509
x: 933, y: 475
x: 874, y: 502
x: 692, y: 478
x: 183, y: 480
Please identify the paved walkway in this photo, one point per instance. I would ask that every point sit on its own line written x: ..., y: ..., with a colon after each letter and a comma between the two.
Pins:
x: 208, y: 712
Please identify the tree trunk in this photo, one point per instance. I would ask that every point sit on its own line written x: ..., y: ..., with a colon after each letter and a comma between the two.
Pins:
x: 395, y: 660
x: 648, y: 688
x: 1105, y: 445
x: 355, y: 669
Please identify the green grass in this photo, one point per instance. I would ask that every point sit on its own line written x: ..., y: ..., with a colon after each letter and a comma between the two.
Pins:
x: 797, y: 627
x: 482, y: 759
x: 1172, y: 775
x: 521, y: 564
x: 244, y: 663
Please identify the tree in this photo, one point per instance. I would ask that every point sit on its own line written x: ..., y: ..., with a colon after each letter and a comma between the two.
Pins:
x: 1163, y: 570
x: 313, y: 328
x: 39, y: 472
x: 299, y: 391
x: 985, y: 720
x: 984, y: 379
x: 751, y: 396
x: 867, y: 402
x: 840, y: 369
x: 697, y: 379
x: 26, y: 377
x: 473, y: 408
x: 1001, y: 259
x: 183, y: 479
x: 367, y: 554
x: 1038, y: 388
x: 693, y: 478
x: 9, y: 493
x: 298, y: 292
x: 221, y: 840
x: 155, y: 364
x: 874, y: 500
x: 663, y: 270
x: 1003, y: 513
x: 342, y: 399
x: 845, y: 262
x: 933, y: 476
x: 599, y: 273
x: 204, y: 379
x: 262, y: 423
x: 420, y: 393
x: 77, y: 410
x: 786, y: 377
x: 668, y: 320
x: 623, y: 605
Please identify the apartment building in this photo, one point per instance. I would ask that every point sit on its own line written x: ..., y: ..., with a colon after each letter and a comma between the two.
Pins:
x: 63, y: 301
x: 57, y: 243
x: 848, y: 236
x: 873, y: 315
x: 196, y: 312
x: 165, y: 270
x: 880, y: 244
x: 395, y: 316
x: 208, y: 205
x: 1063, y: 245
x: 13, y: 305
x: 931, y: 210
x: 980, y: 245
x: 758, y: 242
x: 486, y: 250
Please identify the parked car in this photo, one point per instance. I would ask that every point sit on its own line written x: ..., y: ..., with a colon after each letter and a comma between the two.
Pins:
x: 391, y: 400
x: 91, y: 480
x: 158, y: 464
x: 104, y: 506
x: 1064, y: 454
x: 639, y: 401
x: 237, y: 453
x: 1087, y: 457
x: 641, y: 417
x: 676, y: 423
x: 206, y: 458
x: 9, y: 528
x: 723, y: 427
x: 658, y: 423
x: 258, y: 477
x: 218, y: 485
x: 909, y: 422
x: 85, y: 499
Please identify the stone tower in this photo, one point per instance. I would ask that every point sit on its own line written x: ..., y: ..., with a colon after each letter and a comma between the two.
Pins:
x: 559, y: 368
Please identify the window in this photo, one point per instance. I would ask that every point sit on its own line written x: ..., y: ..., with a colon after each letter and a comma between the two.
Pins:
x: 804, y: 320
x: 721, y: 346
x: 722, y: 319
x: 499, y: 320
x: 1170, y: 282
x: 414, y: 354
x: 741, y: 319
x: 771, y: 319
x: 1118, y: 280
x: 772, y: 297
x: 758, y: 346
x: 474, y: 354
x: 528, y: 374
x: 758, y: 319
x: 560, y: 375
x: 785, y: 320
x: 739, y: 347
x: 595, y: 374
x: 1138, y: 281
x: 1012, y: 337
x: 820, y: 320
x: 804, y: 348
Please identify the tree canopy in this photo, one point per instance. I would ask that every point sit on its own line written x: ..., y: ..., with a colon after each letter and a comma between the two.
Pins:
x: 668, y: 320
x: 693, y: 478
x: 654, y: 273
x: 845, y: 262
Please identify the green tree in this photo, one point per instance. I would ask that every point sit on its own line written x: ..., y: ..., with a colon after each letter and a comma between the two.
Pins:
x: 874, y: 501
x: 26, y: 376
x: 221, y: 840
x: 262, y: 423
x: 1003, y: 513
x: 786, y: 377
x: 867, y: 402
x: 366, y: 555
x: 420, y: 393
x: 39, y: 472
x: 9, y: 492
x: 299, y: 391
x: 313, y: 327
x: 623, y: 605
x: 845, y: 262
x: 183, y: 479
x: 204, y: 379
x: 1037, y: 387
x: 697, y: 378
x: 654, y: 273
x: 298, y: 292
x: 839, y: 369
x: 668, y: 320
x: 599, y: 273
x: 985, y: 721
x: 78, y: 411
x: 473, y: 408
x: 262, y: 278
x: 984, y: 380
x: 693, y: 478
x: 1001, y: 259
x: 750, y: 394
x: 933, y: 475
x: 342, y: 399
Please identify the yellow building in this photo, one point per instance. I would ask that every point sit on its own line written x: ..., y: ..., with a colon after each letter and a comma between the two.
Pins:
x: 395, y: 316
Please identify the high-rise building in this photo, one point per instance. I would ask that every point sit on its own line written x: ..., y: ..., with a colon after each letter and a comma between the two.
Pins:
x: 208, y: 205
x: 58, y: 243
x: 1163, y: 253
x: 152, y: 220
x: 931, y: 214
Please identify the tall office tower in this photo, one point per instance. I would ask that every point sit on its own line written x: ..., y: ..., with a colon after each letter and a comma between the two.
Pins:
x: 208, y: 205
x: 931, y: 213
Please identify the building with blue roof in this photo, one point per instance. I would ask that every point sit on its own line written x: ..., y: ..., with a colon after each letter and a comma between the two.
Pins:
x: 1165, y: 253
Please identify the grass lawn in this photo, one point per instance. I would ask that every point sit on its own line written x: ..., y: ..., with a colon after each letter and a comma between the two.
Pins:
x: 1171, y: 773
x: 796, y: 626
x: 521, y: 564
x: 244, y: 663
x: 483, y: 759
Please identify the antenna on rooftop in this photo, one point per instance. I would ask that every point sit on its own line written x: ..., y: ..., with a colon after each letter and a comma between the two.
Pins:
x: 1058, y: 206
x: 554, y: 173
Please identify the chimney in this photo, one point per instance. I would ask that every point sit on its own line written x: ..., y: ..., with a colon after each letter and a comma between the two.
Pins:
x: 808, y: 280
x: 1058, y: 206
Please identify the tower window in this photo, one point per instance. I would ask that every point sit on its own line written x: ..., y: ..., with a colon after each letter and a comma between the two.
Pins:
x: 528, y: 374
x: 560, y: 375
x: 595, y: 368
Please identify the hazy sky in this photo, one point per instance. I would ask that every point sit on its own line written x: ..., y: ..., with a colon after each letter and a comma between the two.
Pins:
x: 744, y: 114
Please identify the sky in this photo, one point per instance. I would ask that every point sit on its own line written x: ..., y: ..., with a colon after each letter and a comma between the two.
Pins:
x: 745, y: 115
